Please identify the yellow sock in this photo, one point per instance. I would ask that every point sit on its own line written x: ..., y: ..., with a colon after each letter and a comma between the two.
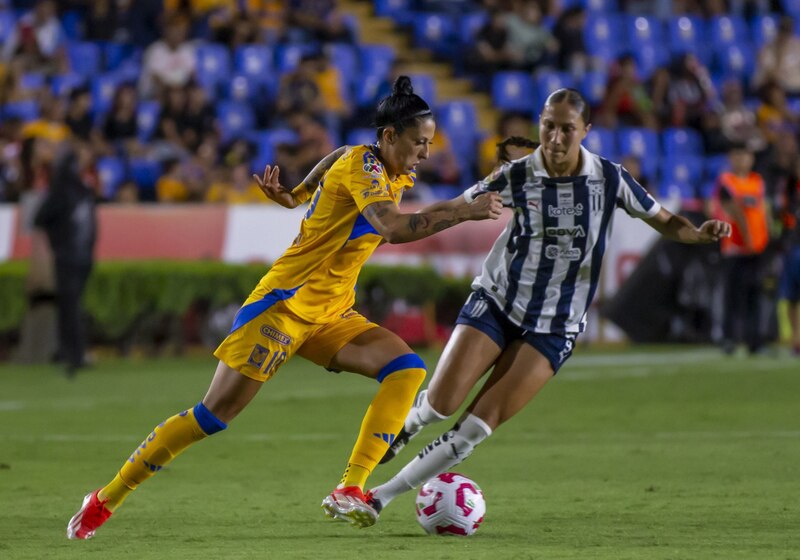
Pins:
x: 166, y: 442
x: 400, y: 380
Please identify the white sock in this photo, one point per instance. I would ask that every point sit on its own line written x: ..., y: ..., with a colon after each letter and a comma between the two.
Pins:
x: 421, y: 414
x: 437, y: 457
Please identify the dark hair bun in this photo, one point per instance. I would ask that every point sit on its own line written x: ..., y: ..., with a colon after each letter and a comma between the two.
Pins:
x: 402, y: 86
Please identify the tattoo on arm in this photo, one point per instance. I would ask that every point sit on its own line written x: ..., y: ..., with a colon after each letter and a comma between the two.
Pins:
x: 311, y: 182
x: 416, y: 221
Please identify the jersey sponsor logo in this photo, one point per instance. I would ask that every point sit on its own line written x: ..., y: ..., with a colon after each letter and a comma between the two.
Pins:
x: 376, y: 188
x: 533, y: 204
x: 275, y: 335
x: 556, y: 211
x: 573, y: 232
x: 556, y: 252
x: 372, y: 165
x: 258, y: 356
x: 349, y: 314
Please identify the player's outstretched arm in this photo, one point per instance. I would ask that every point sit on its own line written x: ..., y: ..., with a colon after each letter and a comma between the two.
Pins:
x: 397, y: 227
x: 270, y: 183
x: 678, y: 228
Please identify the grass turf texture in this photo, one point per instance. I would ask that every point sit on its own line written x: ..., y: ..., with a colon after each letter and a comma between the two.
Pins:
x: 648, y: 453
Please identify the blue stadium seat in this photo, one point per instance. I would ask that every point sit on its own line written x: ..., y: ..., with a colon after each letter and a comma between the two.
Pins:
x: 435, y: 32
x: 7, y: 23
x: 103, y: 88
x: 470, y: 25
x: 392, y: 8
x: 642, y: 30
x: 287, y: 57
x: 213, y: 67
x: 763, y: 29
x: 111, y: 171
x: 236, y: 120
x: 62, y: 84
x: 114, y: 54
x: 715, y: 165
x: 606, y: 6
x: 147, y: 115
x: 650, y: 57
x: 359, y: 136
x: 603, y: 36
x: 792, y: 7
x: 32, y: 81
x: 71, y: 23
x: 345, y: 58
x: 25, y: 110
x: 424, y: 86
x: 681, y: 189
x: 686, y: 33
x: 266, y: 142
x: 254, y: 61
x: 376, y: 60
x: 548, y: 82
x: 601, y: 141
x: 365, y: 91
x: 737, y: 59
x: 728, y: 30
x: 460, y: 120
x: 593, y: 86
x: 145, y: 173
x: 244, y: 89
x: 513, y: 91
x: 681, y: 142
x: 84, y: 58
x: 682, y: 169
x: 642, y: 143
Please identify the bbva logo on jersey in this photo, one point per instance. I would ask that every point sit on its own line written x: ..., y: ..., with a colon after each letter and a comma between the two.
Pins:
x: 576, y: 231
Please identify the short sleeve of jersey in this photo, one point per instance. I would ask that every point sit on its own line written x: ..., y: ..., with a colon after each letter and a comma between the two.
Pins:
x: 498, y: 181
x: 634, y: 198
x: 365, y: 180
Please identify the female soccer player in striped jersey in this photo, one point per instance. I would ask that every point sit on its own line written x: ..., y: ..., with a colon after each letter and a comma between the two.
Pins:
x: 303, y: 305
x: 530, y: 301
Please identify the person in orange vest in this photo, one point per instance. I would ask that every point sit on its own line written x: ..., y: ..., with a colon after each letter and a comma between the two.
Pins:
x: 740, y: 199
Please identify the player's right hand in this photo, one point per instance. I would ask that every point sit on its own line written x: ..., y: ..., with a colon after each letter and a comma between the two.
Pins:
x: 270, y: 185
x: 487, y: 206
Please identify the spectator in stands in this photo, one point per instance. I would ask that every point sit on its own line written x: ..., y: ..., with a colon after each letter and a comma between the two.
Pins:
x: 738, y: 122
x: 332, y: 87
x: 10, y: 160
x: 740, y: 197
x: 683, y: 92
x: 779, y: 60
x: 120, y: 125
x: 318, y: 20
x: 170, y: 62
x: 37, y: 40
x: 442, y: 166
x: 238, y: 188
x: 529, y: 38
x: 198, y: 120
x: 103, y: 22
x: 234, y: 27
x: 626, y: 101
x: 173, y: 109
x: 568, y: 32
x: 50, y: 124
x: 313, y: 143
x: 67, y: 214
x: 79, y: 116
x: 492, y: 51
x: 171, y: 186
x: 141, y: 21
x: 509, y: 124
x: 774, y: 114
x: 299, y: 92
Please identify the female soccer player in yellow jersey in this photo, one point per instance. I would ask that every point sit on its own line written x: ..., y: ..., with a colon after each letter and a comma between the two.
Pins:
x: 303, y: 305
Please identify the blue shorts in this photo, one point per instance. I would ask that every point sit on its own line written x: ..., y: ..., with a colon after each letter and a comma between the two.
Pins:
x: 790, y: 279
x: 481, y: 312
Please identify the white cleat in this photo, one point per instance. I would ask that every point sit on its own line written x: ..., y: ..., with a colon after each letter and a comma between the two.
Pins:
x: 349, y: 504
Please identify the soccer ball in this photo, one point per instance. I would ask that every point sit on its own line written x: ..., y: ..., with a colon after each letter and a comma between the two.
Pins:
x: 450, y: 504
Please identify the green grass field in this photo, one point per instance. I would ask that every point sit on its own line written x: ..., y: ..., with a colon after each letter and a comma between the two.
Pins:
x: 646, y: 453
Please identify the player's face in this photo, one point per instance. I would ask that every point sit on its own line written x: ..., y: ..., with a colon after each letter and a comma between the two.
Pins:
x: 405, y: 150
x: 561, y: 131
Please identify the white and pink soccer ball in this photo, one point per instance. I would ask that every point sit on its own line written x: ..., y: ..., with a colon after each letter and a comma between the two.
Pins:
x: 450, y: 504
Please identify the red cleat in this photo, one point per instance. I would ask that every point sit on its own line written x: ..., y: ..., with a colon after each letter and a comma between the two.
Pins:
x: 90, y: 517
x: 349, y: 504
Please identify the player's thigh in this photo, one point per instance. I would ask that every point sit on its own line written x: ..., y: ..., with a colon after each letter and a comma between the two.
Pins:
x: 469, y: 354
x: 352, y: 343
x: 519, y: 374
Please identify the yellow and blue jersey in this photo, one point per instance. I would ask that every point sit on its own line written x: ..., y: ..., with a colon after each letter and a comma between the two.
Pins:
x: 317, y: 275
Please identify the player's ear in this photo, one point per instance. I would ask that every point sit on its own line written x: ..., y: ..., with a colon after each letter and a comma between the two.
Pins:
x: 389, y: 135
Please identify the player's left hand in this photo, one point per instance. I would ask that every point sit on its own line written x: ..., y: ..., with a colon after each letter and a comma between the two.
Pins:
x: 270, y: 185
x: 714, y: 230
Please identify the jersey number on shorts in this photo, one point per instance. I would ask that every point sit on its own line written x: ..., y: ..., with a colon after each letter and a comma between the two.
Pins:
x: 277, y: 359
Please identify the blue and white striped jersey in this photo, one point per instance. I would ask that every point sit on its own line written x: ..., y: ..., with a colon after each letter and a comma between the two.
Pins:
x: 544, y: 268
